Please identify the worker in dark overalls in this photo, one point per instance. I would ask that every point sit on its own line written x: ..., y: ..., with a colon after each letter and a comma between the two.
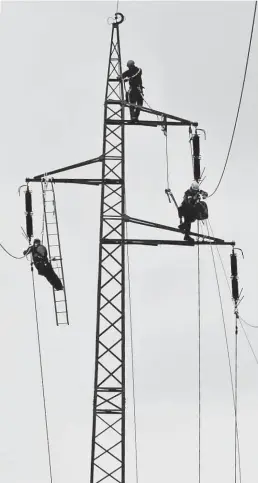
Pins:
x: 192, y: 208
x: 42, y: 264
x: 135, y: 93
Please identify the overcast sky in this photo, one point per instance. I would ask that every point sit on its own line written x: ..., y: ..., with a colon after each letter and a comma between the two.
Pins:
x: 53, y: 62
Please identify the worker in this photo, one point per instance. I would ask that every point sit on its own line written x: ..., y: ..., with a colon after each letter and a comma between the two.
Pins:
x: 42, y: 264
x: 192, y: 208
x: 135, y: 93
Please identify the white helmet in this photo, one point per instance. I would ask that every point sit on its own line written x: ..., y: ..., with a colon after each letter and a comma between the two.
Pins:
x: 195, y: 186
x: 130, y: 63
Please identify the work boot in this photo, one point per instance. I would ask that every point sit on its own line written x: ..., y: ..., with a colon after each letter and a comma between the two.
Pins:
x: 181, y: 226
x: 188, y: 238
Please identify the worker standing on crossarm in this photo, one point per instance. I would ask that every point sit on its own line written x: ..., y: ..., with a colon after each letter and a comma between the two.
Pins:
x: 192, y: 208
x: 135, y: 93
x: 42, y: 264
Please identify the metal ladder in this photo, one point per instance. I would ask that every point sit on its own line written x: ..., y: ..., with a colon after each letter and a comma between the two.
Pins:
x: 54, y: 248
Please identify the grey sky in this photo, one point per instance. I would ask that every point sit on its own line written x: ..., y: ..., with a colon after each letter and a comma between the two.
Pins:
x: 53, y: 58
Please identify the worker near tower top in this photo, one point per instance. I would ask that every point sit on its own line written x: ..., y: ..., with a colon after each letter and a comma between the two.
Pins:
x: 135, y: 94
x: 42, y: 264
x: 133, y: 74
x: 192, y: 208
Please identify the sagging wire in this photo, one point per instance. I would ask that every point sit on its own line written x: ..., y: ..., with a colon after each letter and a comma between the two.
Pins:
x: 247, y: 323
x: 42, y: 377
x: 247, y: 338
x: 240, y: 101
x: 132, y: 354
x: 237, y: 444
x: 8, y: 253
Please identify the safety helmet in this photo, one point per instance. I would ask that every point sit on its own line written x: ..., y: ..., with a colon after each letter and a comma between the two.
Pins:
x: 195, y: 186
x: 130, y: 63
x: 36, y: 241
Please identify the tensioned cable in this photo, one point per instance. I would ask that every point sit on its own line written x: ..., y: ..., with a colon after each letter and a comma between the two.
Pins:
x: 228, y: 354
x: 42, y: 378
x: 240, y: 101
x: 236, y: 387
x: 17, y: 258
x: 132, y: 356
x: 199, y: 357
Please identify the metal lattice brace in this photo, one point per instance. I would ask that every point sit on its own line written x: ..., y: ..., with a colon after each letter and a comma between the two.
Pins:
x: 108, y: 435
x: 54, y: 249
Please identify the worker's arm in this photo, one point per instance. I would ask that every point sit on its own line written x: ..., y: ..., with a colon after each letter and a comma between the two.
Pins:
x: 123, y: 75
x: 28, y: 251
x: 204, y: 194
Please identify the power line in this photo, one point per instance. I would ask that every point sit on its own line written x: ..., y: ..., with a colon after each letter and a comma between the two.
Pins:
x: 132, y: 357
x: 199, y: 356
x: 42, y: 378
x: 228, y: 354
x: 250, y: 325
x: 239, y: 104
x: 17, y: 258
x: 250, y: 345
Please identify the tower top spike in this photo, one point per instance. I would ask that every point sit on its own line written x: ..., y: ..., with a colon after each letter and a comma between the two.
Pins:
x: 119, y: 18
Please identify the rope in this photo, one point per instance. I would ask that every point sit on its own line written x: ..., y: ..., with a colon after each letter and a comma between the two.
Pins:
x: 199, y: 358
x: 166, y: 136
x: 17, y: 258
x: 132, y: 357
x: 42, y: 378
x: 43, y: 225
x: 117, y: 4
x: 250, y: 345
x: 239, y: 104
x: 236, y: 390
x: 228, y: 354
x: 250, y: 325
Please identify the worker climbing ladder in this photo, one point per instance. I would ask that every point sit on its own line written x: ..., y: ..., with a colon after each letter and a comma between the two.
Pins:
x: 54, y: 248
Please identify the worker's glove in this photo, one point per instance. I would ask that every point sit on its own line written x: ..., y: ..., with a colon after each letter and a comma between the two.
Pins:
x: 119, y: 77
x: 25, y: 251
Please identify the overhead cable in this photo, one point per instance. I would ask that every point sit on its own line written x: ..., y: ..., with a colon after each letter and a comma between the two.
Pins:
x: 199, y: 358
x: 229, y: 360
x: 239, y: 104
x: 132, y: 357
x: 13, y: 256
x: 42, y: 378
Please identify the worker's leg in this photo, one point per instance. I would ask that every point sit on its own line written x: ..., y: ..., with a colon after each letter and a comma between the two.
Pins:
x: 52, y: 277
x: 40, y: 267
x: 133, y: 100
x: 187, y: 230
x: 139, y: 103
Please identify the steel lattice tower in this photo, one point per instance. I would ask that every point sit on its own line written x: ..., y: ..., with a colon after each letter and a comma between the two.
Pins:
x: 108, y: 434
x: 108, y: 431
